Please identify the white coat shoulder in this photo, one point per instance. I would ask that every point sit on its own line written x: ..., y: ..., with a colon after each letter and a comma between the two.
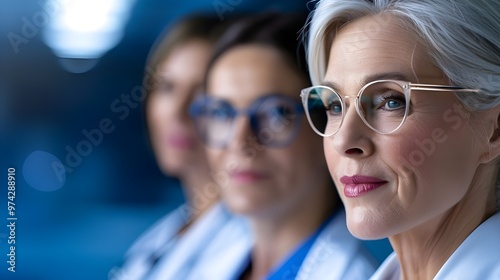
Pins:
x: 178, y: 262
x: 478, y: 257
x: 156, y: 239
x: 336, y: 254
x: 227, y: 255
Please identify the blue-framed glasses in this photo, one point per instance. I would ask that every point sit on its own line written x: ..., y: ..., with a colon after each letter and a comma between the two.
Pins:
x: 274, y: 119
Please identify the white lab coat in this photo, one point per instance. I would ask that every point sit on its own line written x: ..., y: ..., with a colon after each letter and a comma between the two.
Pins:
x: 478, y: 257
x: 227, y: 255
x: 336, y: 254
x: 177, y: 255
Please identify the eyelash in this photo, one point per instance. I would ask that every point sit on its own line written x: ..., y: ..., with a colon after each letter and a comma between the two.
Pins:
x: 392, y: 96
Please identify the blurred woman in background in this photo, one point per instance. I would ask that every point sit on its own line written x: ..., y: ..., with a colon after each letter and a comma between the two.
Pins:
x: 174, y: 75
x: 269, y: 163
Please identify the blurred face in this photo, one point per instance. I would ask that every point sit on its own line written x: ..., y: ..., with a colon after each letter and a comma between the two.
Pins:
x: 180, y: 77
x: 391, y: 183
x: 258, y: 179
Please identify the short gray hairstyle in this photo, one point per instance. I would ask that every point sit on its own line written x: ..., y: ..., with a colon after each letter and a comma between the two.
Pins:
x: 462, y: 37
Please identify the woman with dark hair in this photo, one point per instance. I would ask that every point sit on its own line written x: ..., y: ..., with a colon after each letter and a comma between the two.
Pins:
x: 268, y: 161
x: 174, y: 75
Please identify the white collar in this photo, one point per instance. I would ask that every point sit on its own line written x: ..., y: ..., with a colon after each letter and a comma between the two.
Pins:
x: 478, y: 257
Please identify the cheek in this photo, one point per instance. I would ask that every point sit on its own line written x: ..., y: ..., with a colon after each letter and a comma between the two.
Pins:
x: 220, y: 164
x: 157, y: 120
x: 215, y: 159
x: 430, y: 170
x: 308, y: 147
x: 330, y: 154
x: 429, y: 146
x: 158, y: 112
x: 299, y: 169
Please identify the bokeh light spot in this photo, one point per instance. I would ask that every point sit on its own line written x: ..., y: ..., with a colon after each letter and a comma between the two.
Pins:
x: 44, y: 171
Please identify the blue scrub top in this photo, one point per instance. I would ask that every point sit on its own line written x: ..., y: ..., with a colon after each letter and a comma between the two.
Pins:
x: 291, y: 265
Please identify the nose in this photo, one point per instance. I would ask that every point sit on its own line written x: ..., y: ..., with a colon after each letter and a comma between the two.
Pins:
x: 354, y: 138
x: 243, y: 140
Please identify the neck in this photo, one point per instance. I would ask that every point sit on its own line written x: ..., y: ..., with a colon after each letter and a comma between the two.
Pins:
x: 423, y: 250
x: 277, y: 235
x: 200, y: 190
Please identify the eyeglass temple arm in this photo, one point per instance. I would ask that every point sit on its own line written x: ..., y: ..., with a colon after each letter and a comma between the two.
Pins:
x: 428, y: 87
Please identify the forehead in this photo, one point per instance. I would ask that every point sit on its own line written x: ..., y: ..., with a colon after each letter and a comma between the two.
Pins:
x: 248, y: 72
x: 186, y: 61
x: 378, y: 44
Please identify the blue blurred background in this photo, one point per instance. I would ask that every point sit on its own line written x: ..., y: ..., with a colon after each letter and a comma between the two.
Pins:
x: 81, y: 200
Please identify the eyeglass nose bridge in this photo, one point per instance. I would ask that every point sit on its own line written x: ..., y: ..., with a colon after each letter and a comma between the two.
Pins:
x: 247, y: 113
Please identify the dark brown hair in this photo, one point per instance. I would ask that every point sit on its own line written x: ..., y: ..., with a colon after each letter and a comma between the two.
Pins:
x: 277, y: 30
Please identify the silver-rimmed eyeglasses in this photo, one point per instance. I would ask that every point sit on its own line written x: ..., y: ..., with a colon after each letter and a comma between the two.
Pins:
x: 383, y: 105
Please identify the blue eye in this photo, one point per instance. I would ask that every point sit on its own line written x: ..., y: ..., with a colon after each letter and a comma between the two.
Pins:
x: 389, y: 100
x: 281, y: 112
x: 275, y: 116
x: 335, y: 108
x: 393, y: 104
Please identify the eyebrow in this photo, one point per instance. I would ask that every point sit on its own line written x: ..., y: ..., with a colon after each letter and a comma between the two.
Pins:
x: 374, y: 77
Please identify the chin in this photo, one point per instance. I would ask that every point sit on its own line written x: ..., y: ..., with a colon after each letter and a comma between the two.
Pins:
x: 244, y: 206
x: 366, y: 225
x: 174, y: 162
x: 240, y: 207
x: 170, y: 167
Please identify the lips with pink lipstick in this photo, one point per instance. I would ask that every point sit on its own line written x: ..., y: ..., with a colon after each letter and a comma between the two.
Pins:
x: 181, y: 141
x: 247, y: 176
x: 358, y: 185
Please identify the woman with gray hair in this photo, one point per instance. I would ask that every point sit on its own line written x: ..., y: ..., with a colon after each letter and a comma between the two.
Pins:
x: 406, y: 96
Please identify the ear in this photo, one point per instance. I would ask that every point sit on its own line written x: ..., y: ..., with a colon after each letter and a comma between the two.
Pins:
x: 492, y: 150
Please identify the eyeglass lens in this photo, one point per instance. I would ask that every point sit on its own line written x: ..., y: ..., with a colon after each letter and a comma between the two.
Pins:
x: 382, y: 106
x: 273, y: 120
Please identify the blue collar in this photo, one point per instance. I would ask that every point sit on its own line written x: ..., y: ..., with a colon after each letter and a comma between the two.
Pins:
x: 291, y: 265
